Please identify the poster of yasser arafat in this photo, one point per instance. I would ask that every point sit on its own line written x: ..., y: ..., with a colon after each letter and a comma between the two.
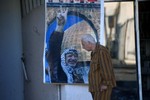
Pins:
x: 65, y: 61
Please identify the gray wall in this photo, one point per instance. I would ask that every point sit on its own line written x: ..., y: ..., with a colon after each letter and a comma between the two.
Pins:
x: 11, y: 74
x: 33, y: 27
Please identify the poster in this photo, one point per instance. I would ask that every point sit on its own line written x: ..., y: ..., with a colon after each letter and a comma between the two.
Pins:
x: 65, y: 61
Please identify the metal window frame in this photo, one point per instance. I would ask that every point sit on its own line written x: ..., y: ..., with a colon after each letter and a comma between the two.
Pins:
x: 137, y: 38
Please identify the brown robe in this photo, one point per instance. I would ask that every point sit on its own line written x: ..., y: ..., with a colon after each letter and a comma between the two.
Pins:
x: 101, y: 72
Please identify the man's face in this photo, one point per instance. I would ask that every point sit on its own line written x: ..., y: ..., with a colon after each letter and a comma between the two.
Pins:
x: 86, y: 46
x: 71, y: 59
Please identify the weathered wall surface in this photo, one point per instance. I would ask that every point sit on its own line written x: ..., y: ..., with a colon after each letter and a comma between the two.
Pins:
x: 11, y: 74
x: 33, y: 26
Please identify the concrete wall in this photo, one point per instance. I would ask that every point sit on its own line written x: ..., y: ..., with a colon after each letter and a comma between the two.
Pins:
x: 11, y: 74
x: 33, y: 27
x: 75, y: 92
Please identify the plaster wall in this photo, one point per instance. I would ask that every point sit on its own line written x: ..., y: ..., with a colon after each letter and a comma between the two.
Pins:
x: 75, y: 92
x: 33, y: 27
x: 11, y: 73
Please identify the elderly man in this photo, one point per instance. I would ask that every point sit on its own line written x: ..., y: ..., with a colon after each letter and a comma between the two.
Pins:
x: 69, y: 63
x: 101, y: 75
x: 53, y: 54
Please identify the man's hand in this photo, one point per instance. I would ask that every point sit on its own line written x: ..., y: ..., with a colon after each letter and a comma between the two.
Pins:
x: 61, y: 18
x: 103, y: 87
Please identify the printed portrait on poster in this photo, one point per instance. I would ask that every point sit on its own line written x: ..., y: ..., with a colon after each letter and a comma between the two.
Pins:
x: 65, y: 59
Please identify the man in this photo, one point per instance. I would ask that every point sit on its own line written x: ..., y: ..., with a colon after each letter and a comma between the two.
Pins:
x: 101, y: 75
x: 54, y: 50
x: 71, y: 57
x: 69, y: 60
